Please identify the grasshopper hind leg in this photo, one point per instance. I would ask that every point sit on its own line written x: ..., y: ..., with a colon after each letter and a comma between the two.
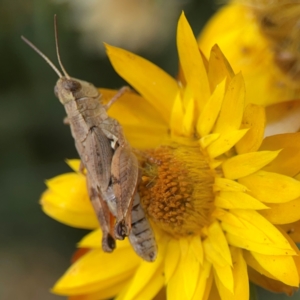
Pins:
x: 104, y: 217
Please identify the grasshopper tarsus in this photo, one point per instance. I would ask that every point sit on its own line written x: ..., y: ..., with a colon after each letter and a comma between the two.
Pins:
x: 108, y: 243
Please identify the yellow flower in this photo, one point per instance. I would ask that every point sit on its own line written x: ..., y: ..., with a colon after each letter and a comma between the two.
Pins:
x: 260, y: 38
x: 222, y: 201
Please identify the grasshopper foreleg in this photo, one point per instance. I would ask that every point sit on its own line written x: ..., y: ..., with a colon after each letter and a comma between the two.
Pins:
x: 119, y: 94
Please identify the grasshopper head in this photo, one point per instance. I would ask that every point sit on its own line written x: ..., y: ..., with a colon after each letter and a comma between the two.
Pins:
x: 71, y: 89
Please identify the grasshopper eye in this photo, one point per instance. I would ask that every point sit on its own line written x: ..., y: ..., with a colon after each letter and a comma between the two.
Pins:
x: 72, y: 85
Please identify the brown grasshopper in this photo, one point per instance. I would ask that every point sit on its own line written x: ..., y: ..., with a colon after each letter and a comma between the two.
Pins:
x: 103, y: 150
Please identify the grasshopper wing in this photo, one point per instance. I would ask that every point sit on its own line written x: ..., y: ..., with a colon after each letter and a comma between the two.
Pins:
x: 124, y: 170
x: 97, y: 157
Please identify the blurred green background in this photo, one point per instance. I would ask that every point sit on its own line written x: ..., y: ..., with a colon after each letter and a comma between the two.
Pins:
x: 35, y: 250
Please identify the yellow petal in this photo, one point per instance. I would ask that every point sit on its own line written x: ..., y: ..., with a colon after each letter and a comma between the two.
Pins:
x: 204, y: 282
x: 147, y: 281
x: 255, y: 119
x: 218, y: 67
x: 225, y: 276
x: 131, y: 108
x: 246, y: 164
x: 240, y: 275
x: 281, y: 267
x: 214, y: 294
x: 177, y: 116
x: 196, y: 247
x: 287, y: 162
x: 292, y: 244
x: 189, y: 272
x: 138, y: 119
x: 233, y: 200
x: 293, y: 230
x: 103, y: 293
x: 253, y: 263
x: 283, y: 213
x: 159, y: 88
x: 218, y: 241
x: 189, y: 119
x: 67, y: 201
x: 184, y: 246
x: 175, y: 290
x: 229, y: 18
x: 191, y: 265
x: 267, y: 248
x: 225, y: 142
x: 70, y: 185
x: 191, y: 62
x: 272, y: 285
x: 215, y: 163
x: 91, y: 240
x: 227, y: 185
x: 155, y: 135
x: 232, y: 110
x: 211, y: 109
x: 272, y: 187
x: 68, y: 217
x: 171, y: 259
x: 212, y: 255
x: 205, y: 61
x: 187, y: 94
x: 247, y: 49
x: 152, y: 288
x: 208, y: 139
x: 97, y: 269
x: 248, y: 229
x: 74, y: 164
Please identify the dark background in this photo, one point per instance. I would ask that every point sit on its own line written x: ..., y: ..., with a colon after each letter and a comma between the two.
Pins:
x: 34, y: 249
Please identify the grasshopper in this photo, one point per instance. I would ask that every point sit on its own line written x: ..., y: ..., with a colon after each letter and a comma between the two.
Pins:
x: 103, y: 149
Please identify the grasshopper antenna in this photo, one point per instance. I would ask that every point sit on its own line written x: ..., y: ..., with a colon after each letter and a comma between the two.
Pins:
x: 42, y: 55
x: 57, y: 49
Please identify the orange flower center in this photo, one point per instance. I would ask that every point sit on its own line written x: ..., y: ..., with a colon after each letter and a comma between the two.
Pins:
x: 176, y: 189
